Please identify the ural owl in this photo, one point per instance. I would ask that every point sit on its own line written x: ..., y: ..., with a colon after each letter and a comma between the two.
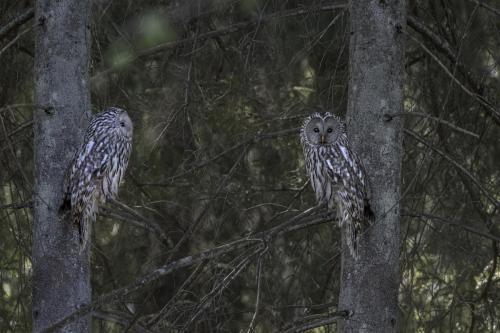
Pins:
x: 337, y: 174
x: 97, y: 168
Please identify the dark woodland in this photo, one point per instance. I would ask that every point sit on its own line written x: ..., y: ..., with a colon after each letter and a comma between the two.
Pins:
x: 216, y: 227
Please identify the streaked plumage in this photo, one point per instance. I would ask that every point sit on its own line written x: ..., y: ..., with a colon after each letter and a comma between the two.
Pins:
x: 98, y: 167
x: 337, y: 174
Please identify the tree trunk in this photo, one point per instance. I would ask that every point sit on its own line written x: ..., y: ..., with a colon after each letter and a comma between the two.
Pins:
x: 61, y: 274
x: 369, y: 286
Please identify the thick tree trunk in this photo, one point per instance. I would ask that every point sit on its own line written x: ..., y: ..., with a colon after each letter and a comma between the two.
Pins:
x: 61, y: 281
x: 369, y: 286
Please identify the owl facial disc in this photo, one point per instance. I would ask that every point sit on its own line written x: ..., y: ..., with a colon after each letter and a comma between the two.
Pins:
x: 323, y: 130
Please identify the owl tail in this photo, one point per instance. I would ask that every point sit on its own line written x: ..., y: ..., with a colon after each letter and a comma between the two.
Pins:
x: 83, y: 223
x: 352, y: 239
x: 84, y: 233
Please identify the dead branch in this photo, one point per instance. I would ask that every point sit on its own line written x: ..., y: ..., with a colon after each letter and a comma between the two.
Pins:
x: 302, y: 220
x: 17, y: 21
x: 453, y: 223
x: 389, y: 116
x: 443, y: 46
x: 227, y: 30
x: 311, y: 321
x: 450, y: 159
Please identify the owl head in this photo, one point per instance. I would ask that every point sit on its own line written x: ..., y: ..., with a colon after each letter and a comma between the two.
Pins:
x: 322, y: 129
x: 112, y: 121
x: 124, y: 124
x: 120, y: 121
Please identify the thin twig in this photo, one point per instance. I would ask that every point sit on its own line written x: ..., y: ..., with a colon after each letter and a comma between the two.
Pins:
x: 453, y: 223
x: 227, y: 30
x: 417, y: 137
x: 15, y: 39
x: 255, y: 240
x: 487, y: 105
x: 27, y: 204
x: 308, y: 325
x: 389, y: 116
x: 206, y: 301
x: 257, y: 301
x: 252, y: 140
x: 488, y: 7
x: 201, y: 215
x: 164, y: 312
x: 17, y: 21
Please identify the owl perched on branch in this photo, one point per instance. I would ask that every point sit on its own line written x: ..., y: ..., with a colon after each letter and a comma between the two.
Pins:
x: 97, y: 168
x: 337, y: 174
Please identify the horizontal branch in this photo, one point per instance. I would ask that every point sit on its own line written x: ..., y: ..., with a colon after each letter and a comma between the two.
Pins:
x: 258, y: 239
x: 27, y: 204
x: 453, y: 223
x: 389, y: 117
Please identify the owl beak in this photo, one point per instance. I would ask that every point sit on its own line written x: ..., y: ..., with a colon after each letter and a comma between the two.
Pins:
x: 322, y: 140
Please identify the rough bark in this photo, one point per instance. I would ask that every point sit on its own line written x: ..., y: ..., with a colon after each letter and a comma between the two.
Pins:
x: 61, y: 281
x: 369, y: 286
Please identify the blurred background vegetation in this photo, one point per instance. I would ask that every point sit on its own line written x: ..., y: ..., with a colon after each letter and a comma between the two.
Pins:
x: 215, y: 89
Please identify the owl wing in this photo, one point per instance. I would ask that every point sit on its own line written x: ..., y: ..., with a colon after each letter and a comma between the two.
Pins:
x: 354, y: 166
x: 82, y: 184
x: 344, y: 165
x: 89, y: 166
x: 353, y: 178
x: 359, y: 180
x: 333, y: 167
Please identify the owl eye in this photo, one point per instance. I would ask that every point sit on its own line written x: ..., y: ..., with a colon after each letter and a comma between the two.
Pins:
x: 316, y: 129
x: 122, y: 123
x: 330, y: 130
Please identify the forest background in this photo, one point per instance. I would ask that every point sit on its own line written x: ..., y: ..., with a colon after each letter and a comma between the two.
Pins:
x: 217, y: 90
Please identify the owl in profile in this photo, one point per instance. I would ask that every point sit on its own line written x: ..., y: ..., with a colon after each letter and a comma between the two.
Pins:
x: 336, y: 173
x: 97, y: 168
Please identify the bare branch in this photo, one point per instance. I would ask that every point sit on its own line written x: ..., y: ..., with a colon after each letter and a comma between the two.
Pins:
x: 120, y: 320
x: 257, y: 301
x: 389, y: 116
x: 254, y: 139
x: 298, y: 222
x: 14, y: 40
x: 17, y: 21
x: 308, y: 325
x: 227, y: 30
x: 450, y: 159
x: 27, y: 204
x: 453, y: 223
x: 164, y: 312
x: 445, y: 47
x: 441, y: 44
x: 487, y: 7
